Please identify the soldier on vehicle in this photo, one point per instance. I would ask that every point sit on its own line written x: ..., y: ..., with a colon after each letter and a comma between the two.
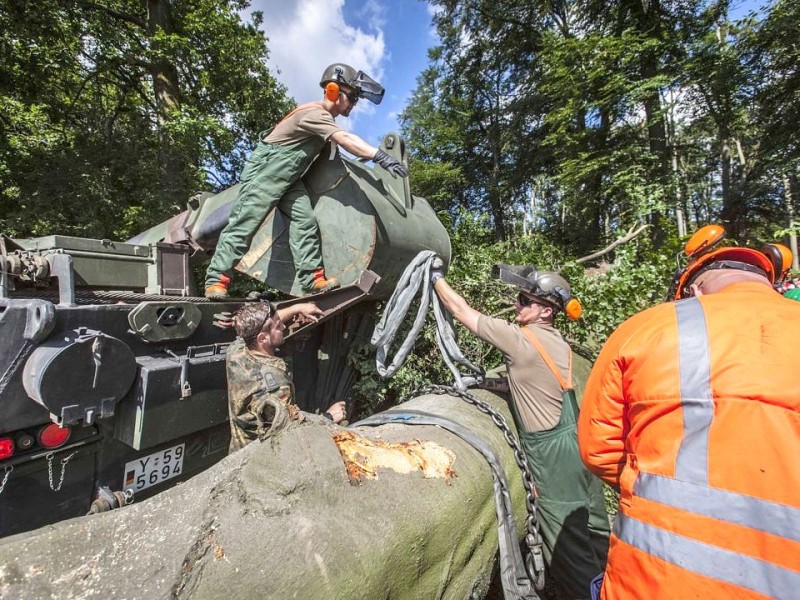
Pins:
x: 572, y: 515
x: 260, y: 389
x: 692, y: 411
x: 272, y: 178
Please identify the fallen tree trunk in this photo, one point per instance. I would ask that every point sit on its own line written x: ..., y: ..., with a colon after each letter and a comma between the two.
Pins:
x: 296, y: 516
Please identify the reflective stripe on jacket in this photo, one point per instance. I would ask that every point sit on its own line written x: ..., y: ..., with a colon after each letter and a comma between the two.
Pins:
x: 693, y: 409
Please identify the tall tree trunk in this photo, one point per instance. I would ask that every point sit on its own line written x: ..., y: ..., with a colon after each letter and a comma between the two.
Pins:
x: 680, y: 211
x: 790, y: 213
x: 495, y: 199
x: 649, y: 13
x: 733, y: 209
x: 166, y: 90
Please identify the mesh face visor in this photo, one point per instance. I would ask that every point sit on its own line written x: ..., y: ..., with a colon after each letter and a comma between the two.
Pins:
x: 528, y: 279
x: 547, y: 287
x: 368, y: 88
x: 522, y: 277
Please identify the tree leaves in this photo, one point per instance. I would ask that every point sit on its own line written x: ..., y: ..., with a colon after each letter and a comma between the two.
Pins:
x: 577, y: 120
x: 114, y: 115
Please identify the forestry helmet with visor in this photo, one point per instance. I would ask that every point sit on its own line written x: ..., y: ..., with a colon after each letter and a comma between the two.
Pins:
x: 337, y: 75
x: 546, y: 286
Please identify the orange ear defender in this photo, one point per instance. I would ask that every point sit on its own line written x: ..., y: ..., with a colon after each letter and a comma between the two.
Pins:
x: 573, y: 310
x: 703, y: 240
x: 332, y: 91
x: 781, y: 258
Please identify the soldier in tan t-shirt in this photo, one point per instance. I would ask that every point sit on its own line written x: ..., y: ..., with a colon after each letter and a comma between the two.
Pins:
x: 572, y: 516
x: 272, y: 177
x: 536, y: 393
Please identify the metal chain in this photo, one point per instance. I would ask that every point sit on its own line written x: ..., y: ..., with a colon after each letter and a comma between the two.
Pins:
x: 64, y: 461
x: 534, y: 561
x: 8, y: 470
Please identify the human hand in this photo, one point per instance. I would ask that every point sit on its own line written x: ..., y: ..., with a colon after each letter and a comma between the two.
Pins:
x: 437, y: 269
x: 394, y: 166
x: 337, y: 411
x: 308, y: 311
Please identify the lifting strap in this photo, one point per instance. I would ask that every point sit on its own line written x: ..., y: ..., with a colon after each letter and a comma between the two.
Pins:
x: 416, y: 280
x: 513, y: 576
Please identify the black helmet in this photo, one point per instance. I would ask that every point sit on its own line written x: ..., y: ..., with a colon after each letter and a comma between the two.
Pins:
x: 548, y: 286
x: 338, y: 73
x: 363, y: 84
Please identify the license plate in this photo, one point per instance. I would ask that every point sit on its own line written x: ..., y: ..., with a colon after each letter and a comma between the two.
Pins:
x: 151, y: 470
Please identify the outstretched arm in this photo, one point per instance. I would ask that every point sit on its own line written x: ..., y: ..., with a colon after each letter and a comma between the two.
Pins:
x: 354, y: 144
x: 307, y: 310
x: 455, y: 303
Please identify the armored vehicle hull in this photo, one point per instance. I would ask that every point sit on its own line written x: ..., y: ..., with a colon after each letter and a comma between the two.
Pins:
x: 112, y: 370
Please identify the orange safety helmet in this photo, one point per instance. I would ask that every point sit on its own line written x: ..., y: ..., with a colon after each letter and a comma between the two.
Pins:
x: 703, y: 258
x: 734, y: 257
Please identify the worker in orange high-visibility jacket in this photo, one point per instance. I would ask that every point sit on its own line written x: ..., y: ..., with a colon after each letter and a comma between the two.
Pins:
x: 692, y: 411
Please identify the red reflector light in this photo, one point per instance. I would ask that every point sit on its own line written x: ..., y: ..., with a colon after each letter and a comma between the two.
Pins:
x: 53, y: 436
x: 6, y: 448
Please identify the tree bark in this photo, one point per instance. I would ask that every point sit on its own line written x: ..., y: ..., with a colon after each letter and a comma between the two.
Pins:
x: 789, y: 199
x: 281, y: 519
x: 166, y: 91
x: 495, y: 199
x: 649, y: 23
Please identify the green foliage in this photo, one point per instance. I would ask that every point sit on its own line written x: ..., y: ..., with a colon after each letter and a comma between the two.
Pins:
x: 114, y: 113
x: 578, y: 122
x: 638, y: 278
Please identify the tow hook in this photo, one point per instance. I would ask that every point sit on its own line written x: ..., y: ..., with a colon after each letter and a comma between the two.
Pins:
x: 108, y: 500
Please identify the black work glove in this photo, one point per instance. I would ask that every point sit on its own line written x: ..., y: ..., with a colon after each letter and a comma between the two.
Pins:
x: 394, y: 166
x: 437, y: 270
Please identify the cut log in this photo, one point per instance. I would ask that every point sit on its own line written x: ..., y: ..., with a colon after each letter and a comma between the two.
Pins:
x: 394, y: 511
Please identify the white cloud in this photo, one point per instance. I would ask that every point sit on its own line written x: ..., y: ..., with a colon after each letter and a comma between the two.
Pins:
x: 305, y: 36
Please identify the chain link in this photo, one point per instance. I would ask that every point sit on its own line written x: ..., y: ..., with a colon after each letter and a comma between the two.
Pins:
x: 64, y: 461
x: 535, y: 560
x: 8, y: 470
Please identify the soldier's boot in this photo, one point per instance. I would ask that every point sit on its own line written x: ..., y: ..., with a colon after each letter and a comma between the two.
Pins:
x: 320, y: 283
x: 218, y: 290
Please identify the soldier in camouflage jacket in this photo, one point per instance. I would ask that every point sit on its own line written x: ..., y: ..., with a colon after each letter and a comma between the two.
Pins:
x: 260, y: 389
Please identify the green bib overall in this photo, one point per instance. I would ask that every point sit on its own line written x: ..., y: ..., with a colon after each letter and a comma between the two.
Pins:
x: 271, y: 178
x: 572, y: 516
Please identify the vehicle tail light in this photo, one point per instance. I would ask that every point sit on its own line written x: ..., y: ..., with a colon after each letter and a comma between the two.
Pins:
x: 6, y: 447
x: 53, y: 436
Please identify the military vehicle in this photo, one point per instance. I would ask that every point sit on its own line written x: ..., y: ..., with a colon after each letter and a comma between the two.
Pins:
x: 112, y: 384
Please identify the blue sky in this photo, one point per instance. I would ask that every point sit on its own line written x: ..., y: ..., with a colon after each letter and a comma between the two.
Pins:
x: 387, y: 39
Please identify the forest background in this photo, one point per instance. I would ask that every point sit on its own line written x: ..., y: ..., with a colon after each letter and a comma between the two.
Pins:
x: 540, y: 132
